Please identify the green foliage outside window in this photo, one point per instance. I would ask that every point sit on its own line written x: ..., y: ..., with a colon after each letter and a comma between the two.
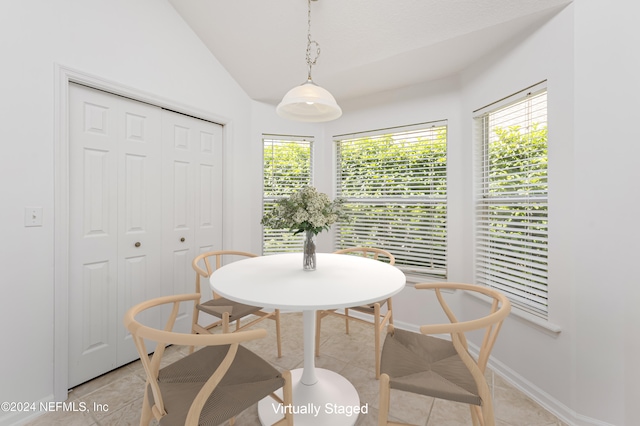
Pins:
x: 518, y: 177
x: 513, y: 215
x: 518, y: 161
x: 395, y: 187
x: 287, y: 167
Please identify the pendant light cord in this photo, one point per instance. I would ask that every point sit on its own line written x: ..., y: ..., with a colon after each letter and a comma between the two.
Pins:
x: 311, y: 63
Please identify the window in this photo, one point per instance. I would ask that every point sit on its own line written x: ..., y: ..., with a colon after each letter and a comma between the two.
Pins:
x: 394, y: 182
x: 511, y: 199
x: 287, y: 168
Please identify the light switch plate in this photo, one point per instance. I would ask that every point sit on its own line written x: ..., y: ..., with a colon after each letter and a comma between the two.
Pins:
x: 33, y: 216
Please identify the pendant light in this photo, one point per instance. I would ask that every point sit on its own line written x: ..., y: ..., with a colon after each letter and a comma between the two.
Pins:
x: 309, y: 102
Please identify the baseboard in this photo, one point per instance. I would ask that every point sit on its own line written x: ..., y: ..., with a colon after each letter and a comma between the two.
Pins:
x: 548, y: 402
x: 406, y: 326
x: 23, y: 414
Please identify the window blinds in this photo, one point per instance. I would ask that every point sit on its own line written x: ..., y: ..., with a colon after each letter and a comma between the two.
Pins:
x: 395, y: 185
x: 287, y: 166
x: 511, y: 199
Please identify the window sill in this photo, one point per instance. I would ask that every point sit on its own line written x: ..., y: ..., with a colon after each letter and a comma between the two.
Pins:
x: 530, y: 318
x: 412, y: 280
x: 541, y: 323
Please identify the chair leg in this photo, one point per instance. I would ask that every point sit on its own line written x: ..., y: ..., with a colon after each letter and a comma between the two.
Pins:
x: 287, y: 396
x: 346, y: 319
x: 225, y: 322
x: 278, y: 338
x: 194, y: 321
x: 383, y: 405
x: 146, y: 415
x: 476, y: 419
x: 390, y: 310
x: 286, y: 401
x: 376, y: 327
x: 484, y: 414
x: 487, y: 417
x: 318, y: 322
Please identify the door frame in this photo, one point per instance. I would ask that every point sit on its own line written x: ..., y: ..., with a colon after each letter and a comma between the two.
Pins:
x: 63, y: 77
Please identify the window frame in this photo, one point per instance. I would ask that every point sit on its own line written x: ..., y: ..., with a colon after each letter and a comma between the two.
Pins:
x: 516, y: 262
x: 291, y: 243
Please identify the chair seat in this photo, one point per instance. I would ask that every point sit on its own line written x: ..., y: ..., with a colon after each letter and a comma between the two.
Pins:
x: 428, y: 366
x: 368, y: 309
x: 249, y: 376
x: 217, y: 307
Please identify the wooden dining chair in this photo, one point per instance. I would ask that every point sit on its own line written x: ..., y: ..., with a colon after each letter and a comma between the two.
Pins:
x: 374, y: 315
x: 440, y: 368
x: 208, y: 386
x: 227, y: 311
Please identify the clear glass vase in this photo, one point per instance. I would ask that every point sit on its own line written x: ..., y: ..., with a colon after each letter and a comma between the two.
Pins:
x: 309, y: 251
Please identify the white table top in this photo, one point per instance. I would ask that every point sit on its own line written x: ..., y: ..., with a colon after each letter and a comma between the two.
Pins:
x: 278, y: 281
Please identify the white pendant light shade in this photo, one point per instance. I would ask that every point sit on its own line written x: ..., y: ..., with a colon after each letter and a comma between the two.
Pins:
x: 309, y: 102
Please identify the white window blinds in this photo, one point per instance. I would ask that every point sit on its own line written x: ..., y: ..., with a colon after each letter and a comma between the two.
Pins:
x: 287, y: 166
x: 395, y: 185
x: 511, y: 199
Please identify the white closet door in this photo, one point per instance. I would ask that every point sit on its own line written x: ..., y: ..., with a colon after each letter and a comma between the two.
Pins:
x: 115, y: 160
x: 145, y: 198
x: 192, y: 222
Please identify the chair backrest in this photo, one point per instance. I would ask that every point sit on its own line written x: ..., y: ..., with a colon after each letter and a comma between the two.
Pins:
x: 371, y: 252
x: 491, y: 323
x: 202, y: 263
x: 165, y: 337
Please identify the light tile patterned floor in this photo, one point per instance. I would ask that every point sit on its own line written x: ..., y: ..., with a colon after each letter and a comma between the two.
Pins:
x: 350, y: 355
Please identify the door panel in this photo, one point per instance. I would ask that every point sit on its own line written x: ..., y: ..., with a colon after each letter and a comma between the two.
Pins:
x: 209, y: 202
x: 178, y: 207
x: 96, y: 335
x: 93, y: 224
x: 208, y: 179
x: 139, y: 211
x: 192, y: 200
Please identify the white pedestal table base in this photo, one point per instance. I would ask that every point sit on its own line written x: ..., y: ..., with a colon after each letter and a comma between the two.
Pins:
x: 331, y: 401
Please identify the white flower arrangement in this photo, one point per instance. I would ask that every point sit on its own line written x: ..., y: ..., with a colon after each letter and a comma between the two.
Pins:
x: 305, y: 210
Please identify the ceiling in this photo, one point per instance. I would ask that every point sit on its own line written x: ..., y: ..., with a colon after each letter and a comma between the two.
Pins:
x: 367, y: 46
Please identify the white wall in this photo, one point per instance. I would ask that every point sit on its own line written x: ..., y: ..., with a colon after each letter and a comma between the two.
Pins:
x: 607, y: 208
x: 143, y: 45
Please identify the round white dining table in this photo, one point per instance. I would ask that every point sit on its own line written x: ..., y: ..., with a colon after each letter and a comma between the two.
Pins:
x: 320, y: 397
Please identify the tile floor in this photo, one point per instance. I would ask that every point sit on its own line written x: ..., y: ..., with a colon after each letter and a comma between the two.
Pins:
x: 350, y: 355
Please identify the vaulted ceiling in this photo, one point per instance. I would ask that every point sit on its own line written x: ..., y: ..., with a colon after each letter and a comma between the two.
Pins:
x: 367, y: 46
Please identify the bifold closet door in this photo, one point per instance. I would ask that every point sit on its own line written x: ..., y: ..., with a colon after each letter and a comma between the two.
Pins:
x: 192, y: 202
x: 145, y: 198
x: 114, y: 224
